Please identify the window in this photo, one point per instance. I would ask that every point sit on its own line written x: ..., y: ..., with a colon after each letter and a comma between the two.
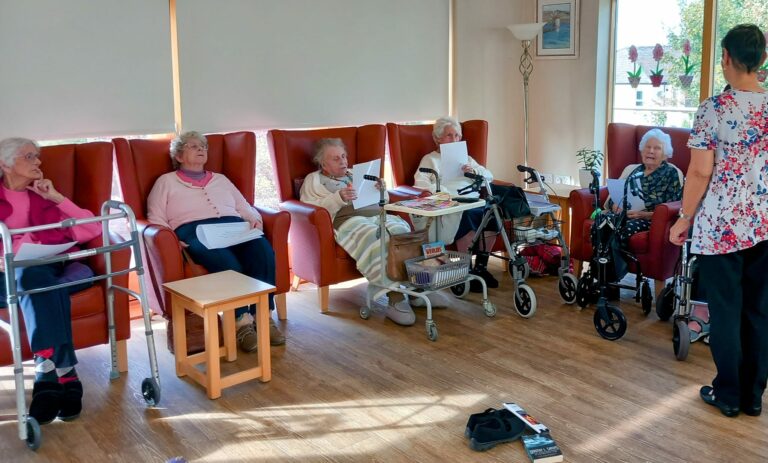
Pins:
x: 731, y: 13
x: 650, y: 83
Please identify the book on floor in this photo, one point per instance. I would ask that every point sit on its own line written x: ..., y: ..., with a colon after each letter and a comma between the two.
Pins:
x: 541, y: 448
x: 530, y: 421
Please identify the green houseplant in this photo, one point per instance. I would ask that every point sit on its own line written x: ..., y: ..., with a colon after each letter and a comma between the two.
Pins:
x: 590, y: 160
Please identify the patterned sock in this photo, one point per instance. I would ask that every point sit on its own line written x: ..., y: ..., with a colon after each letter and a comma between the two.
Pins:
x: 67, y: 374
x: 45, y: 369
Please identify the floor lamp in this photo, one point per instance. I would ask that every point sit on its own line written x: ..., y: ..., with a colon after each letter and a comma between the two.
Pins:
x: 526, y: 33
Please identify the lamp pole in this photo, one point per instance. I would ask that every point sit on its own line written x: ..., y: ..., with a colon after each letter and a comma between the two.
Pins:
x: 526, y: 68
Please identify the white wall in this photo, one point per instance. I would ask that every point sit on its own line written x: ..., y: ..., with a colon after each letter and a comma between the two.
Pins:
x: 566, y: 99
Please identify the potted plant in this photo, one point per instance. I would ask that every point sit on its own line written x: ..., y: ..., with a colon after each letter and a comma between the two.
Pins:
x: 657, y: 76
x: 590, y: 160
x: 686, y: 77
x: 634, y: 75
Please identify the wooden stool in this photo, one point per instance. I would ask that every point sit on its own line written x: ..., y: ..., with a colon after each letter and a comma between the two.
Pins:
x: 206, y: 296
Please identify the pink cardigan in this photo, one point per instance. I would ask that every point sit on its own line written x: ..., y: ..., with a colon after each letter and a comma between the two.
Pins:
x: 174, y: 202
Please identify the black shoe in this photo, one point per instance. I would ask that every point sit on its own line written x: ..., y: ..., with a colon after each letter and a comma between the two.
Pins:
x: 477, y: 418
x: 71, y: 401
x: 46, y: 401
x: 753, y: 409
x: 494, y: 431
x: 483, y: 273
x: 707, y: 394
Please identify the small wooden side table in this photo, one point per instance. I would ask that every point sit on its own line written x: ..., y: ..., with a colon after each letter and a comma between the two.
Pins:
x: 206, y: 296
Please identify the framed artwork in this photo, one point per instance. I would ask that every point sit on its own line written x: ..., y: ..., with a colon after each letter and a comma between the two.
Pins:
x: 560, y: 34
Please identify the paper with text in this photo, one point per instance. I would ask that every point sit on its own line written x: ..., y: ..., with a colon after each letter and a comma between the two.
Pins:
x: 367, y: 193
x: 452, y: 157
x: 224, y: 235
x: 616, y: 192
x: 39, y: 251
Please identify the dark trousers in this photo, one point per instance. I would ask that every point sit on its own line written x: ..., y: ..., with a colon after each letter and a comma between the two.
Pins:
x: 737, y: 294
x: 47, y: 315
x: 254, y: 258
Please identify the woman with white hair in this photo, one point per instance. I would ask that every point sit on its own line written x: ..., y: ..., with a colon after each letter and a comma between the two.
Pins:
x: 457, y: 227
x: 355, y: 230
x: 27, y: 199
x: 191, y: 196
x: 660, y: 182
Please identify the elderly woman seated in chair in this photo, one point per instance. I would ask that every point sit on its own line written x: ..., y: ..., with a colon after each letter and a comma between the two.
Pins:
x: 459, y: 227
x: 660, y: 182
x: 27, y: 200
x: 355, y: 229
x: 192, y: 196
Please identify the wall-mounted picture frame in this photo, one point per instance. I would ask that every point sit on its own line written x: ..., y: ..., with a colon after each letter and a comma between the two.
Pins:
x: 560, y: 35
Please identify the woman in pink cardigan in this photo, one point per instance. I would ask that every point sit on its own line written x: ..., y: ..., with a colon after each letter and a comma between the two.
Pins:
x: 192, y: 196
x: 27, y: 200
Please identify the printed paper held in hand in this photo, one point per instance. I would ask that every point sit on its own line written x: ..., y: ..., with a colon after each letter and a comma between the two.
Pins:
x: 616, y: 192
x: 223, y: 235
x: 452, y: 157
x: 39, y: 251
x: 367, y: 193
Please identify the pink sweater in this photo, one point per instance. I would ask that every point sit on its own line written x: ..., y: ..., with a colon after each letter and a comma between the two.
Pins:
x: 174, y: 202
x: 20, y: 218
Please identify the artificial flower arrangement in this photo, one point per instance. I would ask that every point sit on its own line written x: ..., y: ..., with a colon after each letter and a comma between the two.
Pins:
x: 657, y: 76
x: 686, y: 77
x: 634, y: 75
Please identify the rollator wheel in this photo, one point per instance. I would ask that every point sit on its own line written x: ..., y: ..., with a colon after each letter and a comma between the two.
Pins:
x: 583, y: 290
x: 150, y: 390
x: 665, y: 303
x: 365, y: 312
x: 646, y: 298
x: 567, y: 286
x: 460, y: 290
x: 34, y: 435
x: 614, y: 326
x: 519, y: 271
x: 525, y: 301
x: 431, y: 331
x: 489, y: 308
x: 681, y: 338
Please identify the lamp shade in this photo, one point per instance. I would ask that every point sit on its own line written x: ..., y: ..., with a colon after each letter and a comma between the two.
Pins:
x: 527, y: 31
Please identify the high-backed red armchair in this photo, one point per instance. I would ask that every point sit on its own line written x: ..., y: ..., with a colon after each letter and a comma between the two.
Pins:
x: 657, y: 256
x: 409, y: 143
x: 140, y: 163
x: 83, y: 173
x: 315, y: 256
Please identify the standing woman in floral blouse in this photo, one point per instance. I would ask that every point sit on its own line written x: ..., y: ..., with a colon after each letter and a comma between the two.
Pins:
x: 729, y: 170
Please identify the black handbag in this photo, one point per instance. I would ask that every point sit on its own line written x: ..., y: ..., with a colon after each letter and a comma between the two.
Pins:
x: 511, y: 200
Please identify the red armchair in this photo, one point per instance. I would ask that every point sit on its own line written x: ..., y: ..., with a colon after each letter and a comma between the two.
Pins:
x: 409, y: 143
x: 657, y: 256
x: 83, y: 173
x: 140, y: 163
x: 315, y: 256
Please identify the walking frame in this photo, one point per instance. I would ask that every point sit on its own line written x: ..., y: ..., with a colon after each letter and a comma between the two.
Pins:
x: 29, y: 429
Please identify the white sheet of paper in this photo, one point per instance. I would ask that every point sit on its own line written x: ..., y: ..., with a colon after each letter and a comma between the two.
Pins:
x: 616, y: 192
x: 452, y: 157
x: 367, y: 193
x: 39, y: 251
x: 223, y: 235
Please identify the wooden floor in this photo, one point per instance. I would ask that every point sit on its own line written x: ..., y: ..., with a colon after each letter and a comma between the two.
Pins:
x: 348, y: 390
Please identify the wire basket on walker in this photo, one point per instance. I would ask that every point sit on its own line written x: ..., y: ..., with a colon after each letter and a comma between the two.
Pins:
x: 434, y: 273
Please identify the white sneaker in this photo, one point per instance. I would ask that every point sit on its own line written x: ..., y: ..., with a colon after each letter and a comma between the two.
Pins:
x: 401, y: 313
x: 416, y: 302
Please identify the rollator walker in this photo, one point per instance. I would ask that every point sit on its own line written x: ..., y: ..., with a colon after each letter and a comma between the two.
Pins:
x: 29, y: 428
x: 547, y: 231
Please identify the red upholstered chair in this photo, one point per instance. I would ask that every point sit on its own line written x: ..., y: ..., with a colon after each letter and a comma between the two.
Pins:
x: 409, y: 143
x: 315, y: 256
x: 83, y: 173
x: 657, y: 256
x: 140, y: 163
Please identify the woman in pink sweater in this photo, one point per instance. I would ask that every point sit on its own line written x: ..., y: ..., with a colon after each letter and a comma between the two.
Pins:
x: 192, y: 196
x: 26, y: 200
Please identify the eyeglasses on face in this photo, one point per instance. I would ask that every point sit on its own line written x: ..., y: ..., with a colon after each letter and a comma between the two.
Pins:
x: 196, y: 146
x: 32, y: 156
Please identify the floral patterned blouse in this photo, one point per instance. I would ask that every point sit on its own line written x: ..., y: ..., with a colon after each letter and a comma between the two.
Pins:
x: 734, y: 213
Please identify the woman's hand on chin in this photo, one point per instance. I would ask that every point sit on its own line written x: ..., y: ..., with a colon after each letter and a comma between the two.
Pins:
x: 44, y: 187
